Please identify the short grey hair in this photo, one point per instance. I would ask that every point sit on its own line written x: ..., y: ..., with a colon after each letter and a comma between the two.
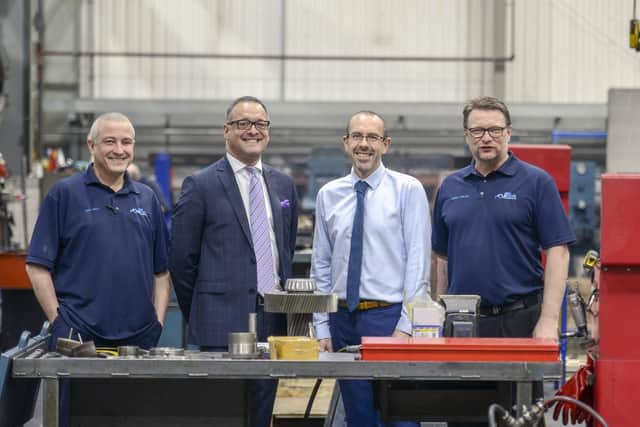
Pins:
x: 112, y: 117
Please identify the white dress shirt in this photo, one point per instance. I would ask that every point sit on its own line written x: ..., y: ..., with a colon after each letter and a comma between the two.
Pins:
x: 396, y: 252
x: 243, y: 177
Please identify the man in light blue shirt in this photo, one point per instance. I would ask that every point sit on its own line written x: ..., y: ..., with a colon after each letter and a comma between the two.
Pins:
x: 393, y: 254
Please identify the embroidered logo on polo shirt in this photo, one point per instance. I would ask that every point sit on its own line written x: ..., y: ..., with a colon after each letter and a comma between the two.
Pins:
x: 507, y: 195
x: 139, y: 211
x: 463, y: 196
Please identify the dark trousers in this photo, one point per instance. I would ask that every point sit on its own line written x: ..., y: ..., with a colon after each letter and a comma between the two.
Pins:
x: 59, y: 329
x: 262, y: 393
x: 511, y: 324
x: 347, y: 328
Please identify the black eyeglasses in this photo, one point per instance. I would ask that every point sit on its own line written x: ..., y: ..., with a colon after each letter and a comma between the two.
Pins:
x: 244, y: 124
x: 370, y: 137
x: 494, y: 132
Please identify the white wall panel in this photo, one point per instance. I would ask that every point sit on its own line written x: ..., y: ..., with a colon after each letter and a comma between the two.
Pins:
x: 567, y: 51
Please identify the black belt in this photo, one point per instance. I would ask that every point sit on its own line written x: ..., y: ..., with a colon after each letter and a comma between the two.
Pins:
x: 365, y: 304
x: 524, y: 302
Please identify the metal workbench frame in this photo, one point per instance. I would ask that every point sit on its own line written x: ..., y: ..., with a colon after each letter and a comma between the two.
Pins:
x: 215, y: 367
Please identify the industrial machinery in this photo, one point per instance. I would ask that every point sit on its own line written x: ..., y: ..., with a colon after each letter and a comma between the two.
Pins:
x: 617, y: 367
x: 573, y: 403
x: 612, y: 369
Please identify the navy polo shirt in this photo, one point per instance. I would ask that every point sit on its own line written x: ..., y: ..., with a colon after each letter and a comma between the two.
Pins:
x: 493, y: 228
x: 102, y: 249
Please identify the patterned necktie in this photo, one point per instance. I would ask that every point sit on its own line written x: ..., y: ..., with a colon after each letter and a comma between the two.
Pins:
x: 355, y: 253
x: 260, y: 233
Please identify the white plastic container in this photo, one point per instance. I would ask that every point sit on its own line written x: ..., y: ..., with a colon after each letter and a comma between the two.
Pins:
x: 427, y: 316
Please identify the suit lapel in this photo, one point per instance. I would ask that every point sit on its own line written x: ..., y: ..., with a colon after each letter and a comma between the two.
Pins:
x: 276, y: 210
x: 228, y: 180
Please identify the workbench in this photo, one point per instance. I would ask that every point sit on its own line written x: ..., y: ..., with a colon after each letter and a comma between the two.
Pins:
x: 211, y: 389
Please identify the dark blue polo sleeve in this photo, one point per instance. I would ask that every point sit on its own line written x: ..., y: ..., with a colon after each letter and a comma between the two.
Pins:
x: 439, y: 231
x: 552, y: 223
x: 44, y: 246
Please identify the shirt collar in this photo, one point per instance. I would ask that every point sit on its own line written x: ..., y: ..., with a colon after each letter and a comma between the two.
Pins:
x: 373, y: 180
x: 508, y: 168
x: 237, y: 165
x: 91, y: 178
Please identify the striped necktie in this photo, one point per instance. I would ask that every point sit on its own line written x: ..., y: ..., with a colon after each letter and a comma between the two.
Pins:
x: 260, y: 233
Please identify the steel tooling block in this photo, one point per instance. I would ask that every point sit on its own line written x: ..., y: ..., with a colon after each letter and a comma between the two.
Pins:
x: 460, y: 349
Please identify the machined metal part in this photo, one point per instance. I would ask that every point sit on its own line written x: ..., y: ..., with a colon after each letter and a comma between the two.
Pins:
x: 66, y: 345
x: 130, y: 351
x: 166, y: 352
x: 243, y: 345
x: 86, y: 349
x: 300, y: 285
x: 317, y: 302
x: 299, y: 301
x: 253, y: 323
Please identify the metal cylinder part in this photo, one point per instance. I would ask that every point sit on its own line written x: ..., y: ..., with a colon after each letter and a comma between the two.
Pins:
x: 128, y: 351
x: 253, y: 323
x: 242, y: 343
x: 166, y: 352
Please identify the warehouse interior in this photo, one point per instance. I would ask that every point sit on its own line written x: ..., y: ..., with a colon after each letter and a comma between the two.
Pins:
x: 569, y: 71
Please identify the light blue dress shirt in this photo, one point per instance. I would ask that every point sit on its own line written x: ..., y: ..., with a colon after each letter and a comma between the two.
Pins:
x: 396, y: 244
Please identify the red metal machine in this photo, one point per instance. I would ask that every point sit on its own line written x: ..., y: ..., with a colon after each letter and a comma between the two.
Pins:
x: 12, y: 271
x: 554, y: 159
x: 618, y: 365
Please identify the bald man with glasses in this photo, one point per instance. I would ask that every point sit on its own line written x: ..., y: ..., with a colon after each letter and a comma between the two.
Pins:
x: 370, y: 247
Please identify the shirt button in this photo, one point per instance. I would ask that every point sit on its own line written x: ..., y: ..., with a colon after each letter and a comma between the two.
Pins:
x: 482, y: 193
x: 484, y: 180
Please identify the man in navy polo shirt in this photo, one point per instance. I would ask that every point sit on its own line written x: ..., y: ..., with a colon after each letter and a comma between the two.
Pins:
x: 492, y: 220
x: 98, y: 260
